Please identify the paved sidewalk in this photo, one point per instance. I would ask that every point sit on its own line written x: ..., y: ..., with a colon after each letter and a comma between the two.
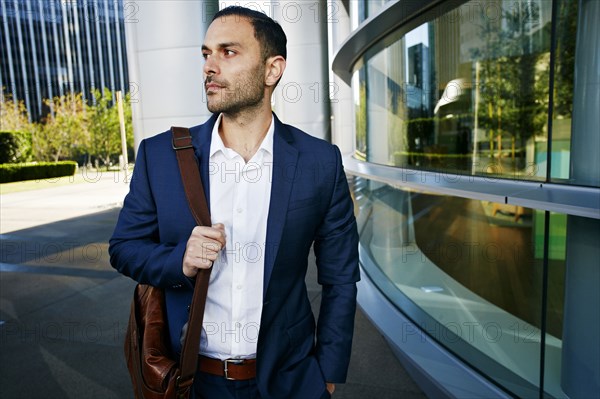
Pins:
x: 97, y: 191
x: 63, y: 309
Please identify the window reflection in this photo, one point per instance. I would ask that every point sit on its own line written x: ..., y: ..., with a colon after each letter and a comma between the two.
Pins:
x: 362, y: 10
x: 474, y: 269
x: 470, y: 92
x: 467, y: 92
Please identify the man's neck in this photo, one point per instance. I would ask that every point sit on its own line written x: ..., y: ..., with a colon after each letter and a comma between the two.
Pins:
x: 245, y: 131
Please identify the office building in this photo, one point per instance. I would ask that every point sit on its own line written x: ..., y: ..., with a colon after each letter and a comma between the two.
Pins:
x: 53, y: 47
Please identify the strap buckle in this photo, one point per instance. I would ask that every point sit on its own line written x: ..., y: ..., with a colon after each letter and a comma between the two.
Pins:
x: 177, y: 146
x: 226, y: 362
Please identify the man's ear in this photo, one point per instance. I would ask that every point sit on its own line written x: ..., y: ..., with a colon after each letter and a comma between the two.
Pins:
x: 274, y: 70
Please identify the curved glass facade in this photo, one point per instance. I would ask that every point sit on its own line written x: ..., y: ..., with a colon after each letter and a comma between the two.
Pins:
x: 488, y: 93
x: 474, y: 272
x: 468, y: 92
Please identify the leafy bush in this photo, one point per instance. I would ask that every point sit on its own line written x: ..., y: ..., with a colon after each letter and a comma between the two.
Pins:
x: 15, y: 146
x: 11, y: 172
x: 70, y: 129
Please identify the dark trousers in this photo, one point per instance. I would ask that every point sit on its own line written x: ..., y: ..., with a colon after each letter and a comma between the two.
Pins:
x: 208, y: 386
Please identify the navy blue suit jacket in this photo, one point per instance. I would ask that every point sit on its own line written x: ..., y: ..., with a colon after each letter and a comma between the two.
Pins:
x: 310, y: 204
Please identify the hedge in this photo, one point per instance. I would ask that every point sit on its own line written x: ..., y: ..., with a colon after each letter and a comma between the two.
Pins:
x: 11, y: 172
x: 15, y: 146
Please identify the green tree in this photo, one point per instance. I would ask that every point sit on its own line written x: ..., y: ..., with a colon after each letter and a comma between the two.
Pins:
x: 16, y: 146
x: 104, y: 126
x: 361, y: 118
x: 514, y: 70
x: 565, y: 59
x: 65, y: 133
x: 13, y: 115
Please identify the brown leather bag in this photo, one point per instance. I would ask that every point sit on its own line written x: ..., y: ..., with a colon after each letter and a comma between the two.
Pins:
x: 155, y: 372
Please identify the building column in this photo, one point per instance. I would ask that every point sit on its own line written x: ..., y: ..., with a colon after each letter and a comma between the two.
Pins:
x: 302, y: 96
x: 342, y: 106
x: 580, y: 350
x: 164, y: 53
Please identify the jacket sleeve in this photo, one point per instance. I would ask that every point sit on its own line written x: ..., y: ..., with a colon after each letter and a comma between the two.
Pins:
x: 135, y: 248
x: 336, y: 251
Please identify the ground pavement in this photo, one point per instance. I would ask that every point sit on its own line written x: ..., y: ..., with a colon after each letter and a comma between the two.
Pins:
x: 63, y: 309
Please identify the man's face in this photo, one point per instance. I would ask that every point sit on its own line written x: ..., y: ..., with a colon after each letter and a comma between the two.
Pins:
x: 234, y: 70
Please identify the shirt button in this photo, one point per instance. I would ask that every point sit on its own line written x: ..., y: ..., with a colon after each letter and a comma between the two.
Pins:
x: 239, y: 287
x: 240, y: 210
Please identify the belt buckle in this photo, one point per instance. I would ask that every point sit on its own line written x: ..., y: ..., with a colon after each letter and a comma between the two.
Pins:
x: 226, y: 362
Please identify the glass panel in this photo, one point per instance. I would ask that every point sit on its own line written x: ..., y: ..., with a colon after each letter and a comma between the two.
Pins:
x: 359, y: 87
x: 557, y: 242
x: 563, y: 89
x: 372, y: 7
x: 357, y: 13
x: 575, y: 138
x: 573, y: 363
x: 466, y: 92
x: 472, y: 271
x: 361, y: 10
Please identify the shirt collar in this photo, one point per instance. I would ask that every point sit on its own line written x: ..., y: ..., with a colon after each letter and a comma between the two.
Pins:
x: 216, y: 143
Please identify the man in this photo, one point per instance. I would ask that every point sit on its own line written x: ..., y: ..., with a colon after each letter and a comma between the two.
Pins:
x: 273, y: 192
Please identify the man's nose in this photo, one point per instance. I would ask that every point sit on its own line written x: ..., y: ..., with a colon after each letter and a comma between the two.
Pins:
x: 210, y: 66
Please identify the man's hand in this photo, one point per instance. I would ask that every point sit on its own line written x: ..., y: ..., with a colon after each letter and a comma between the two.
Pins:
x: 330, y: 388
x: 203, y: 248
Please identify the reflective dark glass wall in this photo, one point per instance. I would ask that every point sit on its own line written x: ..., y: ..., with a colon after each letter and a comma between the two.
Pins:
x: 491, y: 94
x: 475, y: 271
x: 469, y: 92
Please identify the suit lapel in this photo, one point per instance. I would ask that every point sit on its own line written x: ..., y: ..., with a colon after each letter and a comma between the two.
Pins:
x: 201, y: 136
x: 285, y: 158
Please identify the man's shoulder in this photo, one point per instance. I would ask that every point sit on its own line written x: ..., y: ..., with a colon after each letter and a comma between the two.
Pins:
x: 313, y: 149
x: 164, y: 139
x: 306, y: 140
x: 158, y: 139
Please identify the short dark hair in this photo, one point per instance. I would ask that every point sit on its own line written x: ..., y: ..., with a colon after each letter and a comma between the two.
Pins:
x: 267, y: 31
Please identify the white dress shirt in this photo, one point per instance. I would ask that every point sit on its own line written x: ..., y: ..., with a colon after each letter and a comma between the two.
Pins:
x: 239, y: 198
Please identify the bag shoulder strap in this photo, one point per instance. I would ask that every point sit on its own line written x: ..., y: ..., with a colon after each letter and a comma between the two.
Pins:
x: 194, y: 191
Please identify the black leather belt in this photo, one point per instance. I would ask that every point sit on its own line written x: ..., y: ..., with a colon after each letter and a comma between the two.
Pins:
x: 231, y: 369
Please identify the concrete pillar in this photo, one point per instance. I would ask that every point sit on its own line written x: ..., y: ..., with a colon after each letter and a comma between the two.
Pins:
x: 580, y: 351
x: 164, y: 40
x: 342, y: 107
x: 302, y: 96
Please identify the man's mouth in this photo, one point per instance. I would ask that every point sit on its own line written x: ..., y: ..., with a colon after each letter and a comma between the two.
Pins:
x: 212, y: 86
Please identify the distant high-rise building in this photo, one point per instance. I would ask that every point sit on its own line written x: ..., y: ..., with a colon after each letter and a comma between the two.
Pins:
x: 51, y: 47
x: 419, y: 90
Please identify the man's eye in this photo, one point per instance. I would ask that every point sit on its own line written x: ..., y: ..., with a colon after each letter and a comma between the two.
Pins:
x: 205, y: 55
x: 229, y: 52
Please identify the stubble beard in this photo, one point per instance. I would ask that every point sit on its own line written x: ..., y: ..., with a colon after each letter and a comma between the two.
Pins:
x: 245, y: 95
